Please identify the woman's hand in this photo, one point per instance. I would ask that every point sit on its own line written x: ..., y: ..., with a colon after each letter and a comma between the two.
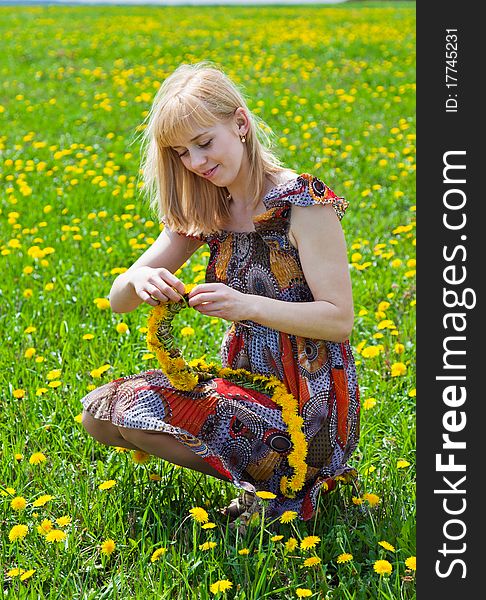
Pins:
x: 219, y: 300
x: 155, y: 286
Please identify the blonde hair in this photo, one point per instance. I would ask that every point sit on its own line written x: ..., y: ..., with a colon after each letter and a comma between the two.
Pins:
x: 197, y: 96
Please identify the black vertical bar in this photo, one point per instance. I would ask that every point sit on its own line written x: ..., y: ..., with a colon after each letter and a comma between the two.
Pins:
x: 450, y: 250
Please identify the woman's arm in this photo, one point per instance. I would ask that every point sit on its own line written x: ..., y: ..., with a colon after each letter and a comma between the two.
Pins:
x: 322, y: 250
x: 152, y: 273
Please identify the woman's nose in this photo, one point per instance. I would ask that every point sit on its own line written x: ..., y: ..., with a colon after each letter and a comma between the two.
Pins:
x: 198, y: 159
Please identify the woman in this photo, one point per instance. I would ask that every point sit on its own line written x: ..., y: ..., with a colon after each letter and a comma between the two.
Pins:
x: 277, y: 269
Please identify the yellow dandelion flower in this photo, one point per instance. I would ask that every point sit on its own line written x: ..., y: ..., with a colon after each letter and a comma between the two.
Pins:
x: 18, y: 532
x: 287, y: 516
x: 186, y: 331
x: 356, y: 500
x: 382, y: 567
x: 244, y: 551
x: 155, y: 477
x: 207, y: 546
x: 108, y: 546
x: 18, y: 503
x: 411, y: 563
x: 107, y: 485
x: 398, y: 369
x: 29, y: 353
x: 42, y: 500
x: 56, y: 535
x: 122, y: 328
x: 370, y: 351
x: 102, y: 303
x: 27, y: 574
x: 18, y: 456
x: 309, y: 541
x: 372, y: 499
x: 382, y: 306
x: 399, y: 348
x: 312, y: 561
x: 54, y: 374
x: 63, y: 521
x: 387, y: 546
x: 291, y: 544
x: 266, y: 495
x: 209, y: 525
x: 220, y: 586
x: 344, y: 558
x: 369, y: 403
x: 199, y: 514
x: 44, y: 527
x: 140, y: 457
x: 303, y: 592
x: 19, y: 394
x: 37, y: 458
x: 88, y: 336
x: 157, y: 554
x: 276, y: 538
x: 402, y: 464
x: 15, y: 572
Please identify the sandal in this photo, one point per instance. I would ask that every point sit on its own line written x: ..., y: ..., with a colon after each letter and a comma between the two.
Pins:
x: 244, y: 506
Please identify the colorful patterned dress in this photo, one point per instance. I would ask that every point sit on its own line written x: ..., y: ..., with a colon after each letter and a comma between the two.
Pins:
x: 240, y: 432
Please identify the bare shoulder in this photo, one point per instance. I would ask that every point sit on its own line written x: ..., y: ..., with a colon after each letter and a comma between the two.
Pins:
x: 312, y: 224
x: 286, y: 175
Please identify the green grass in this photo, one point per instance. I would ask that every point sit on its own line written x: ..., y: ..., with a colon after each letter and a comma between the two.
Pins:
x: 76, y: 84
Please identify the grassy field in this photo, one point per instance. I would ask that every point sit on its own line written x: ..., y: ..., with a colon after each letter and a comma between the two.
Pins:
x: 336, y: 85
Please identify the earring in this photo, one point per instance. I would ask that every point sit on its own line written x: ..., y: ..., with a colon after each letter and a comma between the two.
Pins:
x: 243, y: 139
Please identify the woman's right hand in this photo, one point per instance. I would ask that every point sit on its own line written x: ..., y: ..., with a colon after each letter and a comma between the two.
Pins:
x: 150, y: 283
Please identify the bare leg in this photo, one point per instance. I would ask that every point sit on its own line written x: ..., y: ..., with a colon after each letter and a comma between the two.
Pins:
x: 167, y: 447
x: 105, y: 432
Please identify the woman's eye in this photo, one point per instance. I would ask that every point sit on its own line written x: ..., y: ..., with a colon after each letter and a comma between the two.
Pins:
x: 200, y: 146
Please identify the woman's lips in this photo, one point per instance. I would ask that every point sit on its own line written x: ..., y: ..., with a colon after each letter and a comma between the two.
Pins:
x: 210, y: 173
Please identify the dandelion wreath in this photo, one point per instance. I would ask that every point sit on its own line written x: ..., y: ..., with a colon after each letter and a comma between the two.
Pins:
x: 184, y: 376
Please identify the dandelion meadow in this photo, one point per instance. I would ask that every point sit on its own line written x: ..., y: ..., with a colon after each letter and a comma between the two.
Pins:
x: 81, y: 520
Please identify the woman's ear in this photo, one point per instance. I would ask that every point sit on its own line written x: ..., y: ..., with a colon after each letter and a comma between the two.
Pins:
x: 242, y: 121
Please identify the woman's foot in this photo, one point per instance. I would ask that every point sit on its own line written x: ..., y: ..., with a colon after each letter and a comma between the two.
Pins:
x: 244, y: 506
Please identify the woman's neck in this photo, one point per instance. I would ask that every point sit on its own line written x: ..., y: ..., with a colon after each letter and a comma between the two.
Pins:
x: 241, y: 194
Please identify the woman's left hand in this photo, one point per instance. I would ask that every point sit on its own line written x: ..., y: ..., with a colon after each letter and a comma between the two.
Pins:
x: 219, y: 300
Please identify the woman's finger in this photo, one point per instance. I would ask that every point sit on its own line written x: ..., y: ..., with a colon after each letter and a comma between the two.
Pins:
x: 148, y: 298
x: 171, y: 293
x: 168, y: 278
x: 203, y: 297
x: 208, y: 308
x: 204, y: 287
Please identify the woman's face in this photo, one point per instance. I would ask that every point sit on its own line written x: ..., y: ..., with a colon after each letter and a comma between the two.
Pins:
x: 216, y: 153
